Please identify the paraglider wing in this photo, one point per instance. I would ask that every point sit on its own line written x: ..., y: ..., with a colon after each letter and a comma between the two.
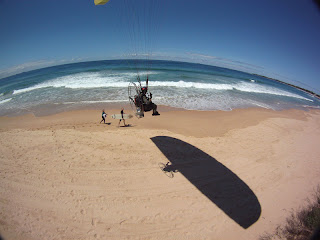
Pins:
x: 100, y: 2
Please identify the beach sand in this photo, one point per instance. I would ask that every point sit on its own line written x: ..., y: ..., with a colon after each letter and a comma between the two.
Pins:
x: 232, y: 175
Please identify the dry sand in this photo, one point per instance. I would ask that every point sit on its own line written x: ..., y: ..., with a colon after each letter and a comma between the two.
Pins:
x: 232, y: 175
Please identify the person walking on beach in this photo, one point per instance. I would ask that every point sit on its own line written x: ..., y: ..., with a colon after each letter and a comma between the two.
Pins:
x: 122, y: 118
x: 104, y: 115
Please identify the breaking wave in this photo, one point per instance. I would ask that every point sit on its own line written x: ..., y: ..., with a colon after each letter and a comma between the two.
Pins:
x: 5, y: 100
x: 98, y: 80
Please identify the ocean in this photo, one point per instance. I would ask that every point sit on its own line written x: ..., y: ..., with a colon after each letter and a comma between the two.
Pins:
x: 176, y: 84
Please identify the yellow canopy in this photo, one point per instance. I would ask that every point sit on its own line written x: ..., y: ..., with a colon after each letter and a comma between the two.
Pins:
x: 100, y: 2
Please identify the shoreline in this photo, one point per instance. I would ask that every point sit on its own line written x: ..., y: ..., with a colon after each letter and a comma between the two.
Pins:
x: 67, y: 176
x: 53, y: 109
x: 190, y: 122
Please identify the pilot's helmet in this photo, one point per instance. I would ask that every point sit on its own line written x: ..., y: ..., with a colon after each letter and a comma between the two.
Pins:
x: 144, y: 89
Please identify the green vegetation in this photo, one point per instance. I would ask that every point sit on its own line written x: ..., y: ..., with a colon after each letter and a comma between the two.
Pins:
x: 301, y: 225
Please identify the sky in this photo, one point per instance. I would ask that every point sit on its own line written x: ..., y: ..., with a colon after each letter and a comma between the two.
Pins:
x: 276, y: 38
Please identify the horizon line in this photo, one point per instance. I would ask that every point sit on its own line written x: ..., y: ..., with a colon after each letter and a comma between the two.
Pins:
x: 224, y: 63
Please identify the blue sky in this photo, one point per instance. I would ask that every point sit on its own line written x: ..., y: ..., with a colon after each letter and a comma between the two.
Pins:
x: 276, y: 38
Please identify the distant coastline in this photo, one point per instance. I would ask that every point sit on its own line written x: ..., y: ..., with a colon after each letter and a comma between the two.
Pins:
x: 291, y: 85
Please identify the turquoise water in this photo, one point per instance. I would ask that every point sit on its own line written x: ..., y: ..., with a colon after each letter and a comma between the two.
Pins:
x: 175, y: 84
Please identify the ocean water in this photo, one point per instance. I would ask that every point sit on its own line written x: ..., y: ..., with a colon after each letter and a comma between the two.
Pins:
x: 176, y: 84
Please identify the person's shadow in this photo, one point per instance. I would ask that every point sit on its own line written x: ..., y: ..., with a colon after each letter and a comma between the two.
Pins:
x: 219, y: 184
x: 127, y: 125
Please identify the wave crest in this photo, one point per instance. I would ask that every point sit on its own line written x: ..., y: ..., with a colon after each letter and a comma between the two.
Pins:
x: 122, y: 80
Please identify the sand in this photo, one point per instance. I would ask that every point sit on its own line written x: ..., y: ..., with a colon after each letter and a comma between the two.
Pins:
x: 232, y: 175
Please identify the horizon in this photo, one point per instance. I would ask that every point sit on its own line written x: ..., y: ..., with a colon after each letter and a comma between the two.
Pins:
x: 238, y: 36
x: 191, y: 86
x: 252, y: 73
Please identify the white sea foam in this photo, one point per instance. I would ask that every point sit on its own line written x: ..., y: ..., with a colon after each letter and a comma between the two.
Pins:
x: 256, y: 88
x: 78, y: 81
x: 122, y: 80
x: 182, y: 84
x: 88, y: 80
x: 262, y: 105
x: 142, y: 74
x: 243, y: 86
x: 98, y: 101
x: 314, y: 107
x: 5, y: 100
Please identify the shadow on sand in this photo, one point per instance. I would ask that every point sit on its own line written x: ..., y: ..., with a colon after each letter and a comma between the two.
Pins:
x: 127, y: 125
x: 213, y: 179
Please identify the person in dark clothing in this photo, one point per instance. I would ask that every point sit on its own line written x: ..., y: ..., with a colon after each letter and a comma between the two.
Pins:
x: 122, y: 118
x: 147, y: 103
x: 104, y: 115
